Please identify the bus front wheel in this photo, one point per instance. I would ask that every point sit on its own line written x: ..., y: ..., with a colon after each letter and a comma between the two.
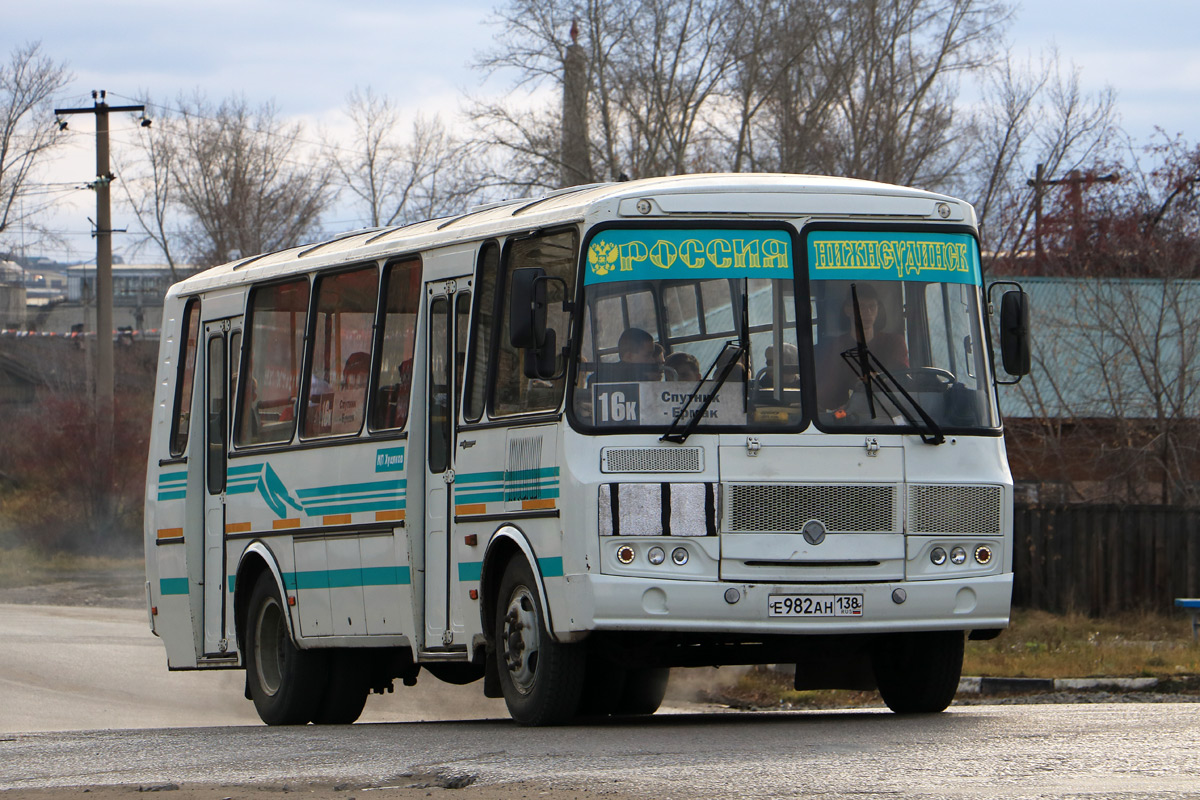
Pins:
x: 542, y: 680
x: 918, y: 673
x: 285, y: 683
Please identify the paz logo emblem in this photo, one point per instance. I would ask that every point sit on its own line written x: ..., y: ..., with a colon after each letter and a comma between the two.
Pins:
x: 814, y: 531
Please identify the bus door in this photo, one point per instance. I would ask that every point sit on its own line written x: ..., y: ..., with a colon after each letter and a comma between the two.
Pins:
x: 448, y: 309
x: 222, y: 340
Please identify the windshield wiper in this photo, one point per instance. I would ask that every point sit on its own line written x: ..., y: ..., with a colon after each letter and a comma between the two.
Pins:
x: 736, y: 351
x: 870, y: 369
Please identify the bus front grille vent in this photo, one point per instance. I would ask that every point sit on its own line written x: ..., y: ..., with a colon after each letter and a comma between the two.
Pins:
x: 785, y: 508
x: 954, y: 509
x: 652, y: 459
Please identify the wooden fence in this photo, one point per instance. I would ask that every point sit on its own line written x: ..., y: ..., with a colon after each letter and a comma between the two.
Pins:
x: 1100, y: 560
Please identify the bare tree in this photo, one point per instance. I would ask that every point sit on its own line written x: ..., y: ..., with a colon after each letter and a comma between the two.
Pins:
x: 27, y: 129
x: 1031, y: 115
x: 224, y: 180
x: 1116, y: 384
x: 394, y: 179
x: 147, y: 186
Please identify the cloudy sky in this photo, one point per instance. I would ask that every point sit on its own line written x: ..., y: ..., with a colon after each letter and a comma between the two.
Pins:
x: 307, y: 55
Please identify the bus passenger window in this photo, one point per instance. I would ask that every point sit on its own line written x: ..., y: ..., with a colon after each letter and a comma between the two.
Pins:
x: 397, y: 336
x: 343, y: 324
x: 188, y: 337
x: 275, y: 339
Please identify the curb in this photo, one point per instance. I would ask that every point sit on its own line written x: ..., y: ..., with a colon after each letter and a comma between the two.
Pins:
x: 1036, y: 685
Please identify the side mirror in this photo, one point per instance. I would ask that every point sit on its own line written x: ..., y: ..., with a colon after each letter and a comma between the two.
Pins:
x: 1014, y: 333
x: 527, y: 309
x: 540, y: 361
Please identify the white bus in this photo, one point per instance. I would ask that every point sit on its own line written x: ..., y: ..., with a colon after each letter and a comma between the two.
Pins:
x: 565, y: 444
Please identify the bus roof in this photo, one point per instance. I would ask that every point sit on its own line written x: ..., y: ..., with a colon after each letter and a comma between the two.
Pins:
x: 726, y: 195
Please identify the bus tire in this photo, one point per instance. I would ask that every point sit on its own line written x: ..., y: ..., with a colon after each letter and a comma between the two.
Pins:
x: 542, y: 680
x: 918, y: 673
x: 285, y: 683
x: 346, y: 691
x: 644, y: 690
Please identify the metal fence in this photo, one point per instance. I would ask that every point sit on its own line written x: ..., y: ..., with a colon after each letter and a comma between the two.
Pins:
x: 1101, y: 560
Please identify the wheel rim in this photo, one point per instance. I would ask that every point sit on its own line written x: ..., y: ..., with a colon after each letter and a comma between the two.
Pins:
x: 521, y: 639
x: 269, y: 634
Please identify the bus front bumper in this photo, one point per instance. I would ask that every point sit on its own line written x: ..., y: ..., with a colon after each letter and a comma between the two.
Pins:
x: 615, y: 603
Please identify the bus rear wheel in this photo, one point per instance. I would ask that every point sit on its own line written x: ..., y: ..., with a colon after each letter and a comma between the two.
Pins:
x: 918, y: 673
x: 644, y: 690
x: 286, y: 684
x: 346, y: 693
x: 542, y: 680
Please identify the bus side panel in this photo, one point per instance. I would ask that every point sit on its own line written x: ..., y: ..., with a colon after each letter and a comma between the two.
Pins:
x: 333, y: 514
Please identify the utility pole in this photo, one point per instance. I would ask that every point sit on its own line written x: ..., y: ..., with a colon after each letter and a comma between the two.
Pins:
x: 105, y: 378
x: 1075, y: 181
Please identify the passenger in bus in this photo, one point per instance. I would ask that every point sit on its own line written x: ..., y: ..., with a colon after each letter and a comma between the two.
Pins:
x: 640, y: 359
x: 354, y: 374
x: 789, y: 367
x: 836, y: 379
x: 686, y: 366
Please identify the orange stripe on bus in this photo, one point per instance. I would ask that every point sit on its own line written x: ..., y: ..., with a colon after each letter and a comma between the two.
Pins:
x: 170, y: 533
x: 389, y: 516
x: 281, y: 524
x: 471, y: 508
x: 530, y: 505
x: 238, y: 527
x: 336, y: 519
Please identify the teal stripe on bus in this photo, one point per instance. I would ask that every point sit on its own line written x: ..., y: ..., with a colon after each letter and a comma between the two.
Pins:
x: 349, y: 508
x: 172, y: 586
x: 484, y: 497
x: 473, y: 570
x: 252, y: 469
x: 470, y: 570
x: 172, y: 495
x: 347, y: 578
x: 352, y: 488
x: 172, y: 477
x: 479, y: 477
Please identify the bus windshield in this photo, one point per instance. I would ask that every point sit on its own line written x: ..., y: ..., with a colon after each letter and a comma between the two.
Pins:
x: 689, y: 325
x: 897, y: 332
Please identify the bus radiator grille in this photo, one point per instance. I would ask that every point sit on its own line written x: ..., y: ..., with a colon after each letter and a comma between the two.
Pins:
x: 652, y: 459
x: 784, y: 508
x: 955, y: 509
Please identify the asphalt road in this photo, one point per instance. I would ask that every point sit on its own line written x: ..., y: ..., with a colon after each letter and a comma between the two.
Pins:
x: 72, y: 667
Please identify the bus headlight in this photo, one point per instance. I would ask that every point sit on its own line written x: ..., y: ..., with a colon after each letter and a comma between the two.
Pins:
x: 937, y: 556
x: 657, y: 555
x: 958, y: 556
x: 680, y: 556
x: 625, y: 554
x: 983, y: 554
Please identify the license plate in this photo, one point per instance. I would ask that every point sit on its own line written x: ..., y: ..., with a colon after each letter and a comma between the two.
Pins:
x: 815, y: 605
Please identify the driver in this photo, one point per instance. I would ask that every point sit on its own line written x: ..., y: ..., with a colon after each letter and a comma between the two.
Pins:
x: 837, y: 379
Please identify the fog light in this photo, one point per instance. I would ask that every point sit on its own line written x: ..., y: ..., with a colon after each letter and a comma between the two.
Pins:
x: 656, y: 555
x: 680, y: 556
x: 958, y: 555
x: 732, y: 595
x: 983, y: 554
x: 937, y: 556
x: 625, y: 554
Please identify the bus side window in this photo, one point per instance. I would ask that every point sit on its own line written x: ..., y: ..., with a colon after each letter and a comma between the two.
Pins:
x: 397, y: 337
x: 188, y: 337
x: 482, y: 330
x: 275, y: 340
x: 556, y: 254
x: 344, y: 316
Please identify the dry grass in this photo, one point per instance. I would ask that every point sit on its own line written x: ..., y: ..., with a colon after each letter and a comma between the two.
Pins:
x: 1037, y: 645
x: 1042, y: 645
x: 24, y: 566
